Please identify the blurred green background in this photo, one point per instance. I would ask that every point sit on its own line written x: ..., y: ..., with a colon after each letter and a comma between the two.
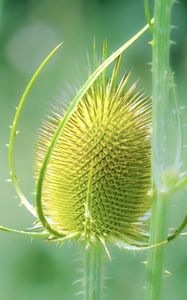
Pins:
x: 29, y: 29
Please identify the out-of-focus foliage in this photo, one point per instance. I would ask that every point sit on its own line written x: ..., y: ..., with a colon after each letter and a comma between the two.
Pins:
x: 28, y: 30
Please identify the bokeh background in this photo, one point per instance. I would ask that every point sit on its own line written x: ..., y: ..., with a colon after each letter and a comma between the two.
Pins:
x: 29, y: 29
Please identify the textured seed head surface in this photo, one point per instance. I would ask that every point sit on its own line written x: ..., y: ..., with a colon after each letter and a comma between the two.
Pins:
x: 98, y: 178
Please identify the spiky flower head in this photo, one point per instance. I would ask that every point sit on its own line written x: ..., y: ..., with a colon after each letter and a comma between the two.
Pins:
x: 98, y: 177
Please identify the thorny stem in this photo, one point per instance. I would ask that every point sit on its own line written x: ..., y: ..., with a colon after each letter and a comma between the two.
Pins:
x: 159, y: 224
x: 93, y: 273
x: 1, y: 9
x: 155, y: 255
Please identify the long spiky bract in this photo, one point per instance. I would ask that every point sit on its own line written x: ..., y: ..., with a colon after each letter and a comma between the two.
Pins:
x: 13, y: 133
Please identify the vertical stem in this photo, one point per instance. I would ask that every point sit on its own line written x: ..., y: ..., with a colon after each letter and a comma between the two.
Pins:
x: 155, y: 255
x: 1, y: 15
x: 94, y: 273
x: 159, y: 224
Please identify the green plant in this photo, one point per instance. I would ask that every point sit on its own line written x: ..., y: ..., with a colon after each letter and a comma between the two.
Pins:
x: 81, y: 159
x: 109, y: 120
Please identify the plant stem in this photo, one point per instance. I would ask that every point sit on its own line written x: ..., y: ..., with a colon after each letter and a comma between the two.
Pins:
x: 93, y: 273
x: 155, y: 255
x: 159, y: 224
x: 1, y: 14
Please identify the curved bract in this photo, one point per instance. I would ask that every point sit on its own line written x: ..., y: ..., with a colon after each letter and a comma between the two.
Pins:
x: 13, y: 132
x: 98, y: 178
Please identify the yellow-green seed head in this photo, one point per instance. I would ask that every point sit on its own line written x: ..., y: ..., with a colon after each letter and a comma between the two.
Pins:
x: 98, y: 178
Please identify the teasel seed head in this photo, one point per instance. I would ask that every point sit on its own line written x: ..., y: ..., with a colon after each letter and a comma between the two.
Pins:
x: 98, y: 179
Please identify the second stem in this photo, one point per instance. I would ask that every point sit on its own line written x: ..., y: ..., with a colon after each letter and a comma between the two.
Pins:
x: 159, y: 216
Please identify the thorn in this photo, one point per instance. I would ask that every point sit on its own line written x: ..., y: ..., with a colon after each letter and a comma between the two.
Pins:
x: 8, y: 180
x: 183, y: 174
x: 10, y: 126
x: 106, y: 249
x: 174, y: 27
x: 79, y: 293
x: 150, y: 64
x: 151, y: 43
x: 173, y: 43
x: 167, y: 273
x: 7, y: 145
x: 17, y: 132
x: 78, y: 281
x: 144, y: 262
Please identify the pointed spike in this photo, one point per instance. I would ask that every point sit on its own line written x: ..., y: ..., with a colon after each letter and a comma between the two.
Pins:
x: 151, y: 43
x: 105, y: 50
x: 105, y: 247
x: 8, y: 180
x: 173, y: 43
x: 174, y: 27
x: 149, y: 64
x: 167, y: 273
x: 114, y: 76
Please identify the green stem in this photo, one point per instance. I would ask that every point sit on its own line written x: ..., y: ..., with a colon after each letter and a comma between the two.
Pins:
x: 1, y: 14
x: 155, y: 255
x: 159, y: 224
x: 94, y: 273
